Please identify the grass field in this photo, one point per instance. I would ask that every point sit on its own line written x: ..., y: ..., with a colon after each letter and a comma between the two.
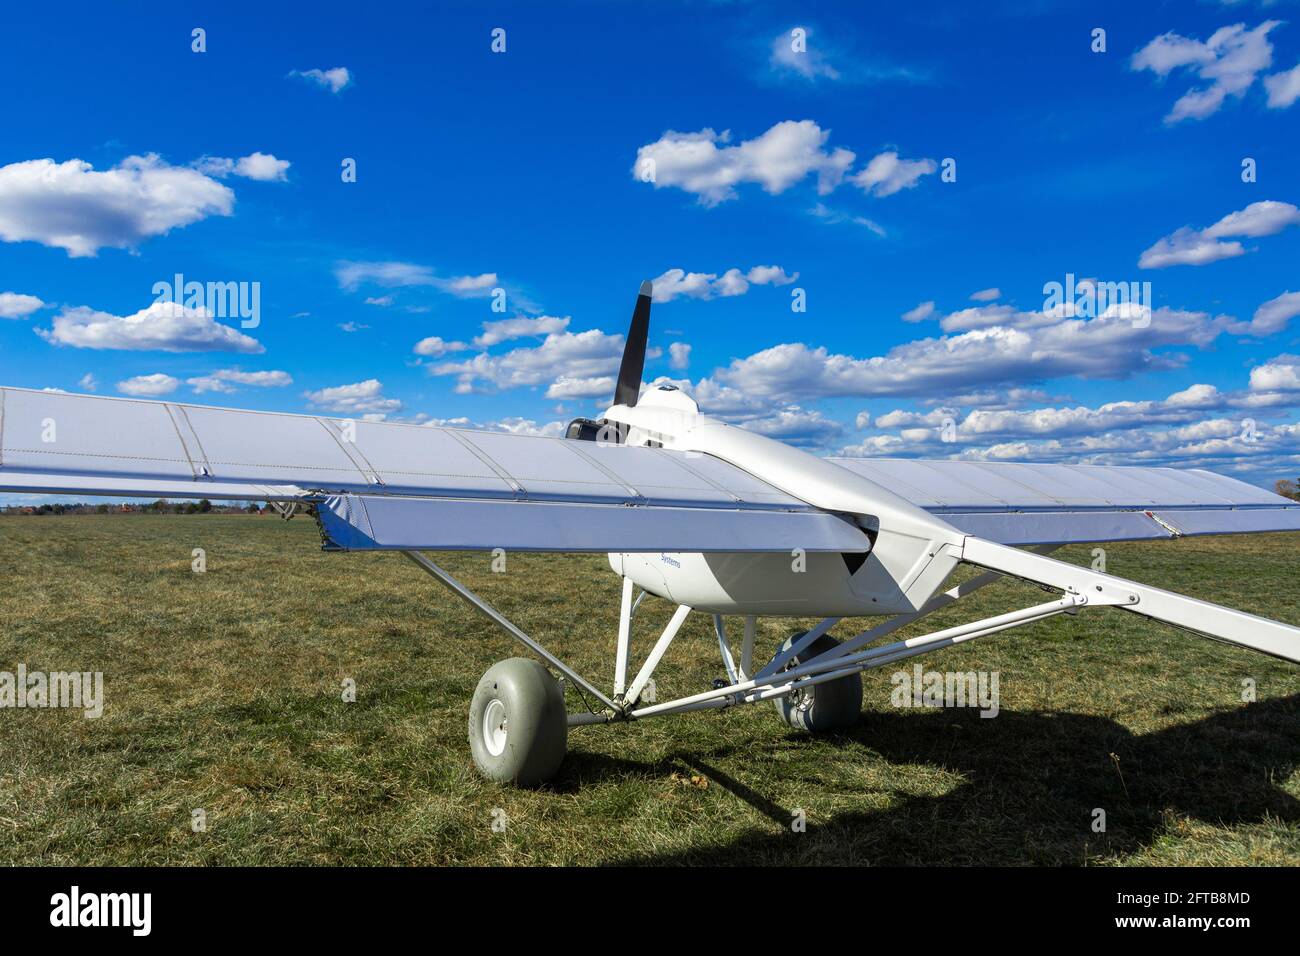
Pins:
x: 224, y: 694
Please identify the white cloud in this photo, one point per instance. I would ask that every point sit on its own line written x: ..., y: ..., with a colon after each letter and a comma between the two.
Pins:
x: 835, y: 216
x: 469, y: 287
x: 709, y: 285
x: 162, y: 326
x: 1109, y: 347
x: 262, y: 167
x: 796, y: 426
x: 15, y: 305
x: 987, y: 316
x: 381, y: 300
x: 679, y: 356
x: 225, y: 380
x: 886, y: 174
x: 704, y: 164
x: 1188, y: 246
x: 1228, y: 62
x: 1281, y: 374
x: 581, y: 355
x: 986, y: 295
x: 435, y: 347
x: 352, y: 275
x: 567, y: 388
x: 798, y: 55
x: 335, y: 80
x: 149, y: 385
x: 770, y: 275
x: 352, y: 326
x: 504, y: 330
x: 72, y: 207
x: 512, y: 426
x: 920, y: 313
x: 1271, y: 317
x: 1283, y: 88
x: 88, y: 382
x: 357, y: 398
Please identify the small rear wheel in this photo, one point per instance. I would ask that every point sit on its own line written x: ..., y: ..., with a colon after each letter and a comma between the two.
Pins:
x: 832, y: 705
x: 518, y: 728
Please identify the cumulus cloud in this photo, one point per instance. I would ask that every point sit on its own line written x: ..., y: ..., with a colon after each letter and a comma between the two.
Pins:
x: 162, y: 326
x: 797, y: 426
x: 511, y: 426
x: 505, y: 330
x: 679, y: 356
x: 1228, y: 63
x: 581, y: 355
x: 1109, y: 346
x: 1197, y: 247
x: 335, y: 80
x: 259, y: 166
x: 88, y: 382
x: 149, y: 386
x: 73, y: 207
x: 359, y: 398
x: 227, y: 380
x: 709, y: 285
x: 986, y: 295
x: 704, y: 164
x: 572, y: 388
x: 435, y: 347
x: 886, y: 174
x: 1280, y: 374
x: 15, y: 305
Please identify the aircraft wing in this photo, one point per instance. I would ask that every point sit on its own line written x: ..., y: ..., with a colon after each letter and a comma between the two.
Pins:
x: 1026, y: 504
x: 381, y: 485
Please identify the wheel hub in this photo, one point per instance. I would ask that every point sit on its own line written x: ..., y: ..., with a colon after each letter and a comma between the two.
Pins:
x: 494, y: 728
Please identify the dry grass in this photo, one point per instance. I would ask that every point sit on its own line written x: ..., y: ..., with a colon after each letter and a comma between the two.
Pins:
x: 223, y: 693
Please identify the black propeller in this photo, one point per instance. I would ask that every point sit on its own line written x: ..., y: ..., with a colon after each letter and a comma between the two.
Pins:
x: 628, y: 388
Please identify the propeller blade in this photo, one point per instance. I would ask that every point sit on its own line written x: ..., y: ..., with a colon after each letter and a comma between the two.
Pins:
x: 629, y: 373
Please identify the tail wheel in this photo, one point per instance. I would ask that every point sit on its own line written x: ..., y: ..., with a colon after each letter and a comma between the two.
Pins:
x: 832, y: 705
x: 518, y: 728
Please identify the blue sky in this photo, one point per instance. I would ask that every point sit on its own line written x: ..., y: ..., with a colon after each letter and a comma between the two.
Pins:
x: 787, y: 166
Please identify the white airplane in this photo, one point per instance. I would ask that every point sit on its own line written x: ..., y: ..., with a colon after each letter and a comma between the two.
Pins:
x: 706, y: 515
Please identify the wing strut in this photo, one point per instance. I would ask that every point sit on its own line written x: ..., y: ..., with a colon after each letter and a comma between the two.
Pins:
x: 1094, y: 587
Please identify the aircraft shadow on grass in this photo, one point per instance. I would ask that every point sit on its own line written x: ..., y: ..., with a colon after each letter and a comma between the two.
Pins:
x: 1031, y: 783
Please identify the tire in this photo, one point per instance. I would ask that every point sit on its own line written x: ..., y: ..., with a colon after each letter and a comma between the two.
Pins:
x: 518, y: 728
x: 833, y: 705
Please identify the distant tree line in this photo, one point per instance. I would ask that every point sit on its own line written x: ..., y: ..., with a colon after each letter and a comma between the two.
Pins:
x: 1287, y: 488
x: 160, y: 506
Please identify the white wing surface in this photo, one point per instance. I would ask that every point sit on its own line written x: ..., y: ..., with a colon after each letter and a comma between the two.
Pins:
x: 1025, y: 504
x: 386, y: 485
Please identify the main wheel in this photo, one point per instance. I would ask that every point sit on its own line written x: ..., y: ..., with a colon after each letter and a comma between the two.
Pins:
x: 832, y: 705
x: 518, y: 728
